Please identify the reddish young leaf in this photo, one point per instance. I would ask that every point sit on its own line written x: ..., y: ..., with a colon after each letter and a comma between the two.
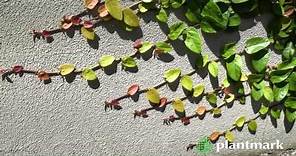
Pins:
x: 227, y: 90
x: 43, y: 76
x: 45, y: 34
x: 185, y: 121
x: 132, y: 90
x: 138, y: 44
x: 200, y: 111
x: 17, y: 69
x: 102, y: 10
x: 157, y: 52
x: 163, y: 102
x: 76, y: 20
x: 88, y: 24
x: 214, y: 136
x: 289, y: 12
x: 90, y: 4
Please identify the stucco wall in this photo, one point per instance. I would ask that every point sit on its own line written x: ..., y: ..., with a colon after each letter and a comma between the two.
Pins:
x: 63, y: 118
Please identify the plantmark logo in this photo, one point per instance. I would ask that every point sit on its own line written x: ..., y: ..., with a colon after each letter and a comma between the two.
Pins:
x: 204, y: 146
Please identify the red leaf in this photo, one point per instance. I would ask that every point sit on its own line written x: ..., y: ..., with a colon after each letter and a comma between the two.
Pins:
x: 17, y: 69
x: 43, y: 76
x: 88, y: 24
x: 138, y: 44
x: 132, y: 90
x: 45, y: 34
x: 76, y: 20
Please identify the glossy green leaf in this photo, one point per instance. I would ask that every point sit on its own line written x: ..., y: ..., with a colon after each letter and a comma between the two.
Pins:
x: 228, y: 51
x: 252, y: 125
x: 292, y: 81
x: 229, y: 98
x: 89, y: 33
x: 207, y: 27
x: 153, y: 96
x: 130, y: 18
x: 193, y: 40
x: 162, y: 16
x: 275, y: 113
x: 172, y: 75
x: 165, y: 3
x: 146, y: 46
x: 233, y: 71
x: 129, y: 62
x: 279, y: 75
x: 263, y: 110
x: 291, y: 116
x: 254, y: 45
x: 216, y: 111
x: 164, y: 46
x: 178, y: 105
x: 256, y: 93
x: 176, y: 30
x: 268, y: 93
x: 212, y: 99
x: 191, y: 16
x: 280, y: 91
x: 114, y: 8
x: 213, y: 68
x: 291, y: 103
x: 66, y: 69
x: 212, y: 13
x: 234, y: 20
x: 229, y: 136
x: 259, y: 60
x: 285, y: 65
x: 106, y: 60
x: 239, y: 122
x: 89, y: 74
x: 142, y: 7
x: 198, y: 90
x: 289, y: 51
x: 187, y: 82
x: 238, y: 1
x: 177, y: 3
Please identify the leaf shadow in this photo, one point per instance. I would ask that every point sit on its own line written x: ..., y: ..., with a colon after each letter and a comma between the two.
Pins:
x: 94, y: 43
x: 94, y: 84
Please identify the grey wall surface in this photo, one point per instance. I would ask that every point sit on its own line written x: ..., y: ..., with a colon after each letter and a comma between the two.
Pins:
x: 63, y: 118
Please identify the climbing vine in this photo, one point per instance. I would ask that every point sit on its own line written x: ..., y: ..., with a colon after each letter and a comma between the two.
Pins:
x: 273, y: 86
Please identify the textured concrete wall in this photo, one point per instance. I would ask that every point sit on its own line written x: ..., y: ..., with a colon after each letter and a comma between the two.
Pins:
x: 63, y: 118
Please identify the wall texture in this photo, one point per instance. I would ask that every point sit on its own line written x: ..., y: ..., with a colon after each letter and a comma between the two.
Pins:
x: 63, y: 118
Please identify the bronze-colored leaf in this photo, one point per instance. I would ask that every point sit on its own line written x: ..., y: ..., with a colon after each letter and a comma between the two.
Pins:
x: 132, y: 90
x: 289, y: 12
x: 43, y: 76
x: 200, y: 111
x: 214, y: 136
x: 102, y: 11
x: 90, y: 4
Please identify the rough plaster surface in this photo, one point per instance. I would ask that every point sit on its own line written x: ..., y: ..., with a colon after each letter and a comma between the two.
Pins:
x: 63, y: 118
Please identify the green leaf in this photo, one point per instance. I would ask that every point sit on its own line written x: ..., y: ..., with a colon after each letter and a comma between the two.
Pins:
x: 292, y: 81
x: 212, y: 99
x: 193, y: 40
x: 142, y: 7
x: 130, y: 18
x: 162, y: 16
x: 234, y: 20
x: 289, y: 51
x: 268, y: 93
x: 263, y: 110
x: 259, y: 60
x: 178, y: 105
x: 165, y: 47
x: 177, y: 3
x: 229, y: 98
x: 233, y: 71
x: 280, y: 91
x: 205, y: 60
x: 229, y: 136
x: 287, y: 64
x: 228, y: 51
x: 213, y: 68
x: 66, y: 69
x: 275, y: 113
x: 145, y: 47
x: 89, y: 74
x: 153, y: 96
x: 172, y: 75
x: 129, y: 62
x: 278, y: 76
x: 165, y: 3
x: 147, y: 1
x: 216, y: 111
x: 114, y: 8
x: 106, y: 60
x: 206, y: 27
x: 291, y: 116
x: 252, y: 125
x: 89, y: 33
x: 239, y: 122
x: 212, y: 13
x: 191, y: 16
x: 187, y: 82
x: 254, y: 45
x: 198, y: 90
x: 238, y: 1
x: 291, y: 103
x: 176, y: 30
